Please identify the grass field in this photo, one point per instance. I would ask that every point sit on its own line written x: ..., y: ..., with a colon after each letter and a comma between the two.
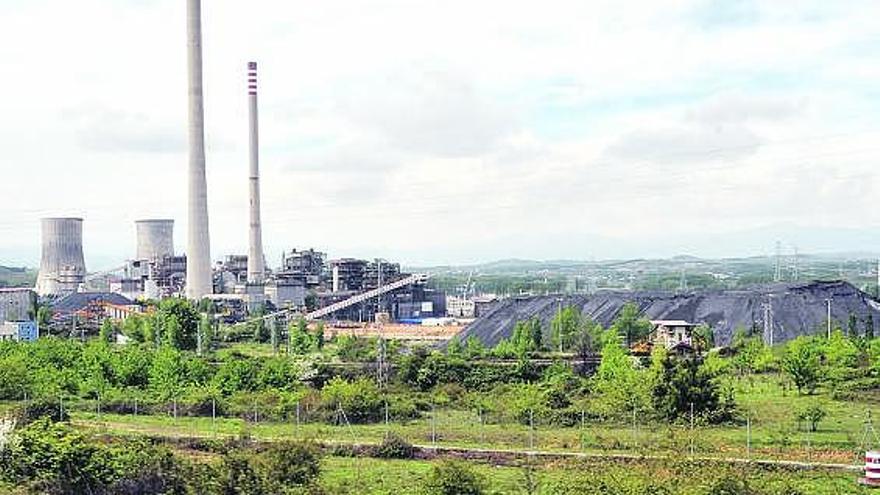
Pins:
x: 772, y: 432
x: 350, y: 475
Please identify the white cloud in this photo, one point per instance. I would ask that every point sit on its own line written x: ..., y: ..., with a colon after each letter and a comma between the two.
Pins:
x: 441, y: 131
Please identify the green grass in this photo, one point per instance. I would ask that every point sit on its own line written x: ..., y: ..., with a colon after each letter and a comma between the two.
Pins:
x: 774, y: 430
x: 375, y: 476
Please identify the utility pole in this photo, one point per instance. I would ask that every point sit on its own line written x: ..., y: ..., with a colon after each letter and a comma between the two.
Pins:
x: 796, y: 273
x: 768, y: 321
x: 828, y: 303
x: 878, y: 277
x: 777, y: 273
x: 559, y: 321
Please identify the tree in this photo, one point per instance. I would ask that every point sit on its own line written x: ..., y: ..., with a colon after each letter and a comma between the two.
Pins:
x: 177, y: 323
x: 258, y: 326
x: 133, y: 328
x: 852, y: 326
x: 167, y: 374
x: 44, y: 318
x: 801, y: 361
x: 812, y: 415
x: 631, y: 325
x: 841, y: 357
x: 107, y: 332
x: 619, y: 386
x: 301, y: 341
x: 453, y: 478
x: 473, y: 348
x: 526, y: 336
x: 319, y: 335
x: 752, y: 355
x: 455, y: 348
x: 289, y: 464
x: 563, y: 328
x: 703, y: 337
x: 684, y: 385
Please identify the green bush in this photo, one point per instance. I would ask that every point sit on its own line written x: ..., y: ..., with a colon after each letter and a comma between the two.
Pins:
x: 359, y: 400
x: 394, y: 447
x: 287, y: 464
x: 453, y: 478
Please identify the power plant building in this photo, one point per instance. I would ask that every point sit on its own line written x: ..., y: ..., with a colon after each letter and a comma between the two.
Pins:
x: 17, y: 304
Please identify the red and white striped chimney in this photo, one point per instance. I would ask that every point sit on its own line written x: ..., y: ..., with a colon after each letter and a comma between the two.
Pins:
x: 256, y: 267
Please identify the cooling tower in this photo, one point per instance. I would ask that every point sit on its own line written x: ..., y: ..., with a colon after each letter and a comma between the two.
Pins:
x: 155, y: 239
x: 62, y: 267
x: 198, y: 248
x: 256, y: 270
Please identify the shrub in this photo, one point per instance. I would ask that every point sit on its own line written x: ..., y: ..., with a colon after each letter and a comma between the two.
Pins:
x: 291, y: 464
x: 394, y: 447
x: 730, y: 486
x: 359, y: 399
x: 34, y: 410
x: 453, y: 478
x: 811, y: 416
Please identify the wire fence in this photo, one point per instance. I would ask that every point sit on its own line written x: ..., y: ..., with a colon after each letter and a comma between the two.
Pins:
x: 754, y: 436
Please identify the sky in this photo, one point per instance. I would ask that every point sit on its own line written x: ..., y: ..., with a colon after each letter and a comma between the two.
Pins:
x: 453, y: 131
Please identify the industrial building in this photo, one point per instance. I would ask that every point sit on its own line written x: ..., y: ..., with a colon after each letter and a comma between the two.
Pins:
x: 18, y: 304
x: 89, y: 309
x: 156, y: 271
x: 305, y: 281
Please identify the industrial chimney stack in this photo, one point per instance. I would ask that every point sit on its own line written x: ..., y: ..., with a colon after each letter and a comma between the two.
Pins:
x: 198, y: 249
x: 256, y: 268
x: 62, y: 266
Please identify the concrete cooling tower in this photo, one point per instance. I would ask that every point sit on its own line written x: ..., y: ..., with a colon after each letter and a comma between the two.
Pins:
x: 62, y: 267
x: 155, y: 239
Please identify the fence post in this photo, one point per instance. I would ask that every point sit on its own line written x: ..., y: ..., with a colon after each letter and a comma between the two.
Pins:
x: 60, y: 408
x: 634, y: 426
x: 135, y: 406
x: 433, y: 425
x: 297, y: 417
x: 691, y: 439
x: 583, y: 440
x: 214, y: 415
x: 531, y: 430
x: 749, y: 435
x: 482, y: 428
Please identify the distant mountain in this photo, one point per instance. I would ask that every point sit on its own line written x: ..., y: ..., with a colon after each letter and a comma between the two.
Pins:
x: 17, y: 277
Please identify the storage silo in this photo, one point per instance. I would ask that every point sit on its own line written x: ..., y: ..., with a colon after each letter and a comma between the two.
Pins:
x: 155, y: 239
x: 62, y: 265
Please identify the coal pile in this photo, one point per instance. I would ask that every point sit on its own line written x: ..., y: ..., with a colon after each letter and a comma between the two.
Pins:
x: 797, y: 308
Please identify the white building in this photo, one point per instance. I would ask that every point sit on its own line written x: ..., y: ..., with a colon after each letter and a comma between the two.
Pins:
x: 19, y: 331
x: 670, y: 333
x: 459, y: 307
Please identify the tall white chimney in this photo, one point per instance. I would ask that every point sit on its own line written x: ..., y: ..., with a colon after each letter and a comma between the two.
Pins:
x: 256, y: 268
x: 198, y: 248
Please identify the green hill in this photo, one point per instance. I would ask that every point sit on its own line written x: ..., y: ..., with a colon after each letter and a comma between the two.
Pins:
x: 17, y: 277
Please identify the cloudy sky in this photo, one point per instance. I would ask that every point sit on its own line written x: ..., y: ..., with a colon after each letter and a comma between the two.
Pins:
x: 452, y: 131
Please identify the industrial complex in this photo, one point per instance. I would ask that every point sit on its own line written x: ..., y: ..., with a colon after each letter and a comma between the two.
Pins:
x: 306, y: 281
